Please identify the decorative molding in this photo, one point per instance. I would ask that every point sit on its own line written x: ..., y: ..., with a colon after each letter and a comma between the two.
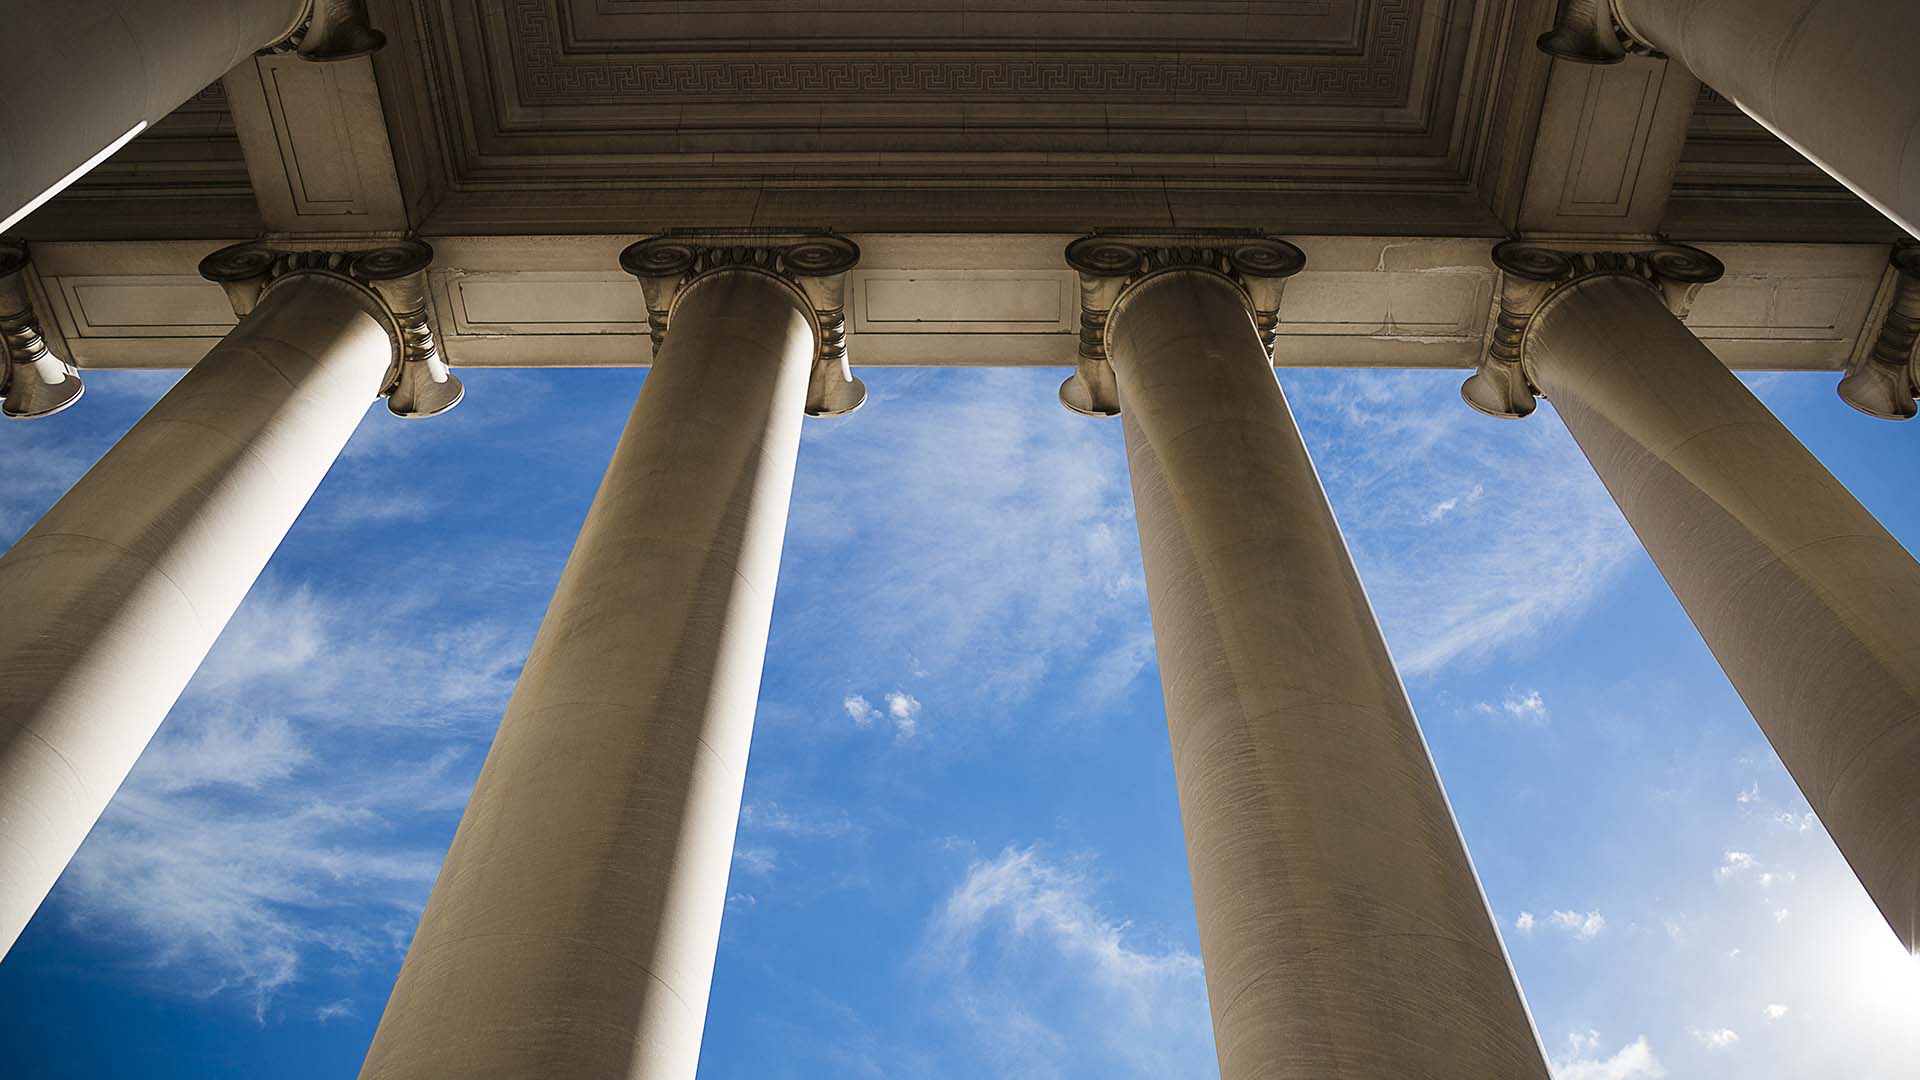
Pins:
x: 814, y: 263
x: 1144, y: 69
x: 391, y: 282
x: 33, y: 381
x: 1886, y: 381
x: 1531, y: 274
x: 1109, y: 263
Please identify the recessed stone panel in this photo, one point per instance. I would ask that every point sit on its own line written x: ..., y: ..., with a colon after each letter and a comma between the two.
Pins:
x: 145, y: 306
x: 979, y: 302
x: 547, y: 302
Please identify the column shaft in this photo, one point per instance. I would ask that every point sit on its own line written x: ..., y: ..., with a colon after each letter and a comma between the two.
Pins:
x: 1835, y: 78
x: 110, y: 602
x: 82, y: 74
x: 573, y: 927
x: 1808, y: 603
x: 1342, y: 926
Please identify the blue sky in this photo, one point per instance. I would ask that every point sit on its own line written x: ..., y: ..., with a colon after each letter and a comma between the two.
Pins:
x: 960, y: 852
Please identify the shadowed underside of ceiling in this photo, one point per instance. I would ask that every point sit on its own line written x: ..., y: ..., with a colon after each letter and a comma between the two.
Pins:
x: 1381, y: 117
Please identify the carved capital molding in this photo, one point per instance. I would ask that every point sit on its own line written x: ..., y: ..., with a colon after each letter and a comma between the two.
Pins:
x: 331, y: 30
x: 1532, y: 275
x: 1593, y: 32
x: 33, y: 381
x: 1886, y: 380
x: 390, y: 280
x: 1110, y: 263
x: 813, y: 263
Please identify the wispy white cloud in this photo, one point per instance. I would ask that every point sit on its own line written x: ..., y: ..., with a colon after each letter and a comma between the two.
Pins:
x: 1714, y: 1038
x: 1438, y: 511
x: 1775, y: 1012
x: 755, y: 859
x: 276, y: 815
x: 904, y: 708
x: 361, y: 507
x: 860, y: 710
x: 1734, y: 863
x: 771, y: 817
x: 1044, y: 976
x: 1796, y: 822
x: 1525, y: 922
x: 1542, y: 542
x: 1634, y: 1061
x: 1583, y: 927
x: 232, y: 895
x: 1001, y: 546
x: 1524, y: 709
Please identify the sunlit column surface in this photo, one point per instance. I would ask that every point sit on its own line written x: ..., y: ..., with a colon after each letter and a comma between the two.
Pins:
x: 573, y: 927
x: 1810, y: 605
x: 1342, y: 927
x: 82, y: 77
x: 1835, y: 79
x: 111, y: 601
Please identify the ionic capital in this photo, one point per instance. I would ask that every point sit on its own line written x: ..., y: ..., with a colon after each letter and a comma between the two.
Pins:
x: 1111, y: 263
x: 1593, y: 32
x: 389, y: 278
x: 33, y: 381
x: 1885, y: 381
x: 813, y: 263
x: 1534, y: 276
x: 331, y: 30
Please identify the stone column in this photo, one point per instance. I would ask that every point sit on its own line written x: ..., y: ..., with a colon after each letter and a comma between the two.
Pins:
x: 573, y: 927
x: 1883, y: 380
x: 81, y: 78
x: 112, y: 600
x: 1835, y: 79
x: 1810, y: 606
x: 33, y: 381
x: 1343, y: 929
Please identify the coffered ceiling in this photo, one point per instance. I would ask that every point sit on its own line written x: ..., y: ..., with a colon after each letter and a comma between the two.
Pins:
x: 1364, y: 117
x: 616, y: 100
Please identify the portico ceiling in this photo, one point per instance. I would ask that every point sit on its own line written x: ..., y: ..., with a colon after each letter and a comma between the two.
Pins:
x: 1368, y: 117
x: 962, y: 143
x: 617, y: 101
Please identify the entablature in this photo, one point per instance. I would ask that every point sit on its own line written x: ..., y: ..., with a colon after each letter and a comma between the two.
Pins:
x: 970, y: 299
